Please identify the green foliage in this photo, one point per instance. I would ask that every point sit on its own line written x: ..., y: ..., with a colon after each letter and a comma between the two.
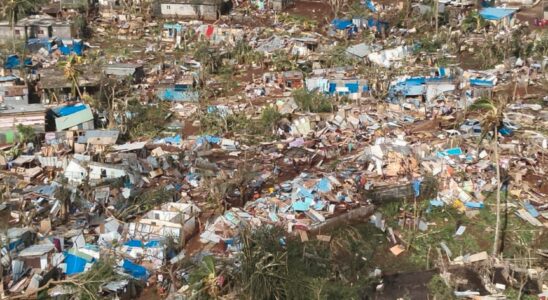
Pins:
x: 540, y: 45
x: 512, y: 293
x: 312, y: 102
x: 473, y: 22
x: 239, y: 123
x: 269, y: 118
x: 264, y: 268
x: 429, y: 44
x: 146, y: 120
x: 303, y: 22
x: 244, y: 53
x: 26, y: 133
x: 145, y: 201
x: 439, y: 290
x: 204, y: 281
x: 89, y: 283
x: 358, y: 10
x: 337, y: 57
x: 281, y: 61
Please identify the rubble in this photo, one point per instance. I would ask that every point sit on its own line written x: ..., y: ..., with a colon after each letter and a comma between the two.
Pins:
x: 161, y: 152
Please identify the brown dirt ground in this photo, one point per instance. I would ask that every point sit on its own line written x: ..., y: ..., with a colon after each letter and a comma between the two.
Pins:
x: 319, y: 11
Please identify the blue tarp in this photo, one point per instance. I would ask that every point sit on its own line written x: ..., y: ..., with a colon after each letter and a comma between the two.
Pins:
x: 372, y: 22
x: 152, y: 244
x: 69, y: 109
x: 415, y: 81
x: 75, y: 264
x: 332, y: 87
x: 208, y: 139
x: 471, y: 204
x: 482, y: 82
x: 437, y: 203
x: 370, y: 5
x: 324, y: 185
x: 76, y: 46
x: 173, y: 140
x: 496, y: 13
x: 352, y: 87
x: 301, y: 206
x: 450, y: 152
x: 341, y: 24
x: 135, y: 270
x: 134, y: 243
x: 171, y: 94
x: 13, y: 62
x: 417, y: 187
x: 531, y: 209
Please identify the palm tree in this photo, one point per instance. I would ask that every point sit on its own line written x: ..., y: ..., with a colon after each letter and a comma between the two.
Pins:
x: 205, y: 281
x: 71, y: 73
x: 13, y: 10
x: 473, y: 21
x: 491, y: 123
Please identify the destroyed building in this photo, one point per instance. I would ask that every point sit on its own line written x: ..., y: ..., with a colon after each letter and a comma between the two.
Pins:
x: 210, y: 9
x: 37, y: 26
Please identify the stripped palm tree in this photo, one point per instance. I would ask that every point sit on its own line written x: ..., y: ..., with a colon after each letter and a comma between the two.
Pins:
x: 72, y: 73
x: 493, y: 116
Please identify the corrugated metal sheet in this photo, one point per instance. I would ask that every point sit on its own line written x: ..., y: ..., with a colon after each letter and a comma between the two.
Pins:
x: 74, y: 119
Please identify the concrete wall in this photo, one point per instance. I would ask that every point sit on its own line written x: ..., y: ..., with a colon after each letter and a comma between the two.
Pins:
x: 188, y: 10
x: 63, y: 31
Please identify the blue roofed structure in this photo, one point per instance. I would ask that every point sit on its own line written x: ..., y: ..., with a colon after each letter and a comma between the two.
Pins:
x: 341, y: 24
x: 497, y: 13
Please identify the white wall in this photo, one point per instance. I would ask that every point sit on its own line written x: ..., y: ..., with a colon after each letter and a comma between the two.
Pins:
x: 95, y: 172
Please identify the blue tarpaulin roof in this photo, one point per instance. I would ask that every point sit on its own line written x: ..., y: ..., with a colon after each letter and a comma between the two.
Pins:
x: 341, y: 24
x: 69, y: 109
x: 171, y: 94
x: 496, y: 13
x: 75, y: 264
x: 135, y: 270
x: 482, y: 82
x: 12, y: 62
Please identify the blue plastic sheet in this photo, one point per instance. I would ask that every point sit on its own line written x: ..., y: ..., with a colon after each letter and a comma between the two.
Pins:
x: 300, y: 206
x: 341, y: 24
x: 69, y: 110
x: 135, y: 270
x: 323, y: 185
x: 532, y: 211
x: 496, y: 13
x: 436, y: 203
x: 75, y: 264
x: 450, y: 152
x: 482, y: 82
x: 371, y: 6
x: 417, y: 187
x: 134, y: 243
x: 472, y: 204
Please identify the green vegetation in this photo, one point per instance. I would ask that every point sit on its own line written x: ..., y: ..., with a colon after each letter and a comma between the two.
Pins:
x: 145, y: 120
x: 26, y: 133
x: 473, y: 22
x: 312, y: 101
x: 144, y: 201
x: 439, y: 290
x: 251, y: 130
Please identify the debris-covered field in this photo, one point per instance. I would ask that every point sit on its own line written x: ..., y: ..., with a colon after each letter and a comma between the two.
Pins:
x: 273, y: 149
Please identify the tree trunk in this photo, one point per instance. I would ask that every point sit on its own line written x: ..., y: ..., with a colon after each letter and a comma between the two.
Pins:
x: 497, y: 168
x: 13, y: 30
x: 436, y: 11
